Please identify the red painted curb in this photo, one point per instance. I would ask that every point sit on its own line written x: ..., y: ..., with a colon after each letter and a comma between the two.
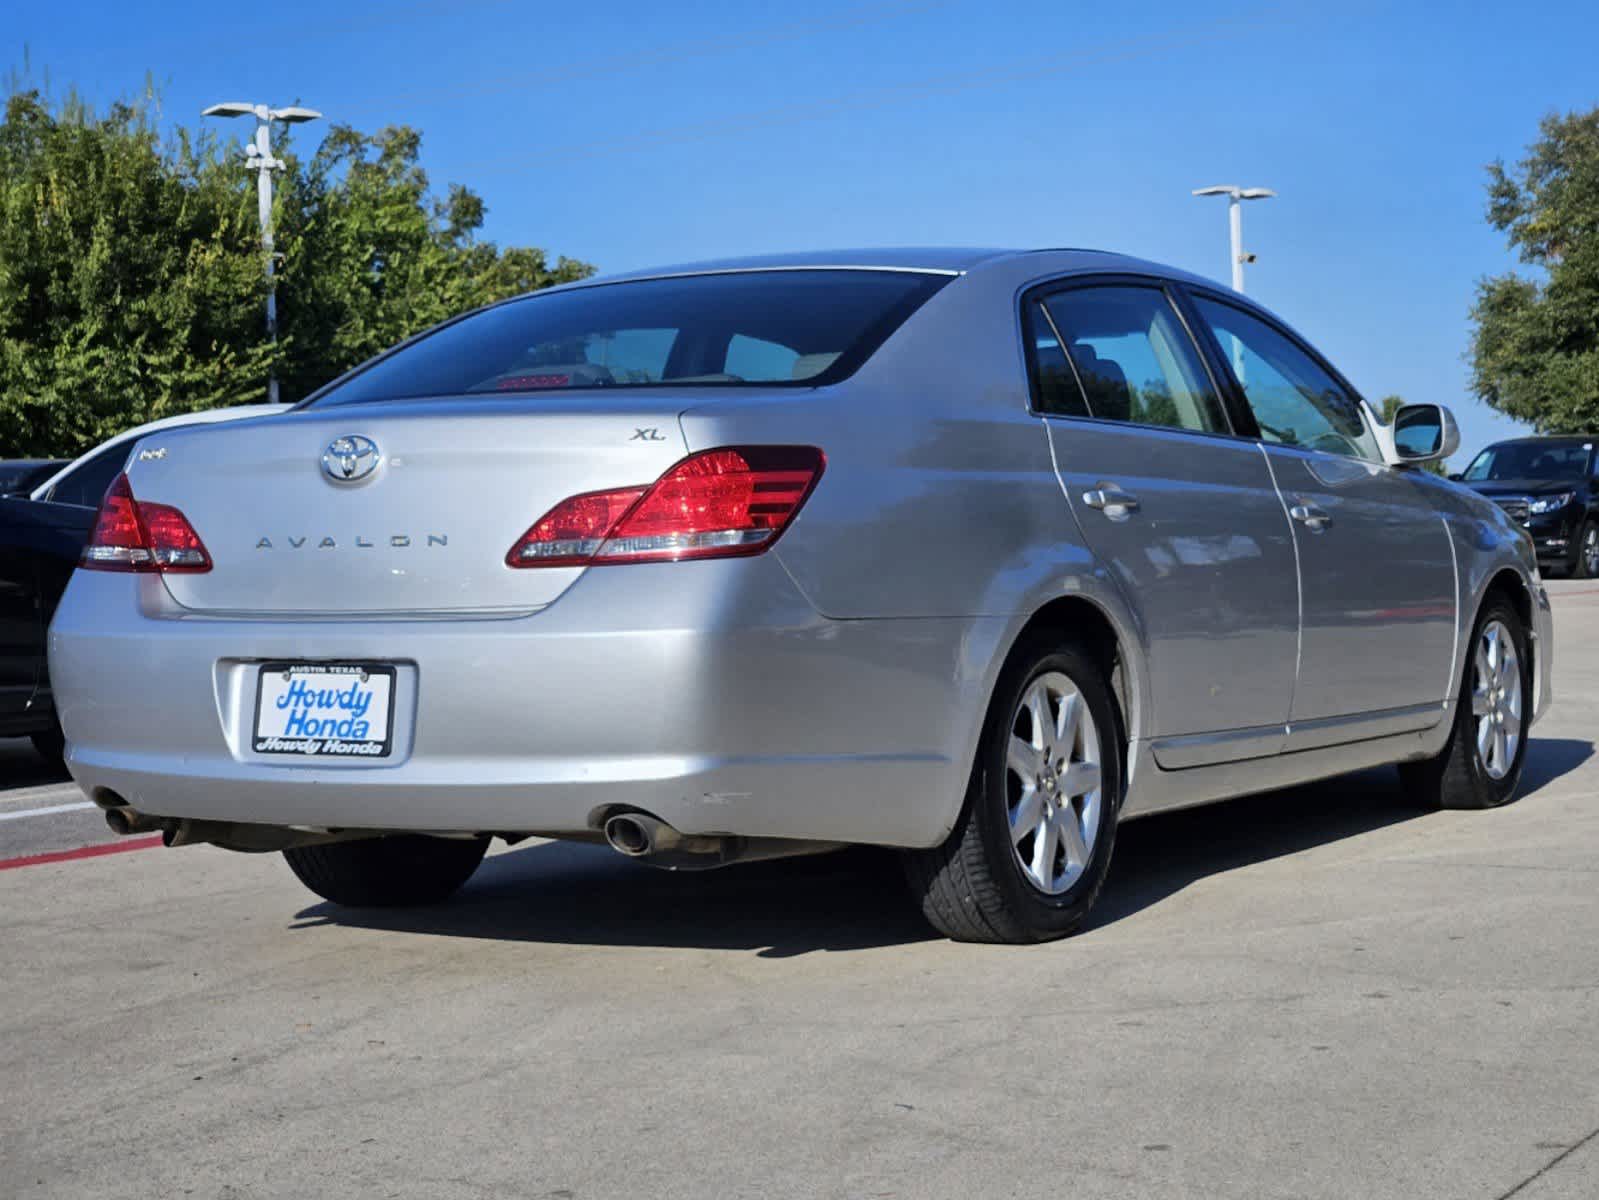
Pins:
x: 55, y: 856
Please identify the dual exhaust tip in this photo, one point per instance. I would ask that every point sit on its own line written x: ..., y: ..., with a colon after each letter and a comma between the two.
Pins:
x: 651, y: 840
x: 639, y: 835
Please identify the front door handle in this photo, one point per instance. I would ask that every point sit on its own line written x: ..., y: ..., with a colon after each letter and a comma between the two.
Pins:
x: 1308, y: 514
x: 1112, y: 501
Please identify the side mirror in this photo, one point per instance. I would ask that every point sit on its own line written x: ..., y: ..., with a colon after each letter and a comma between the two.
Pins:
x: 1455, y: 477
x: 1420, y: 433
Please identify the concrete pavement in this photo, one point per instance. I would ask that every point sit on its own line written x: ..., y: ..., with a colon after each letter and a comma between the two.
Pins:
x: 1317, y: 993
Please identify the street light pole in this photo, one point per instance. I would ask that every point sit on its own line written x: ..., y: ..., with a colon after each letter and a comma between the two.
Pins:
x: 258, y: 155
x: 1235, y: 222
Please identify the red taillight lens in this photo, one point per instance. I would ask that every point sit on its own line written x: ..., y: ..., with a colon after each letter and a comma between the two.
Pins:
x: 135, y: 535
x: 715, y: 504
x: 570, y: 533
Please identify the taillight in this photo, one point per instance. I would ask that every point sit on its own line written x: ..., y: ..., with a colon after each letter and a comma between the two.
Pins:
x: 136, y: 535
x: 715, y: 504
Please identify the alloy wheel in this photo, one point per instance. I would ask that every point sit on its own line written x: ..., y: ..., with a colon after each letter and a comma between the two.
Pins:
x: 1496, y: 699
x: 1590, y: 551
x: 1053, y: 783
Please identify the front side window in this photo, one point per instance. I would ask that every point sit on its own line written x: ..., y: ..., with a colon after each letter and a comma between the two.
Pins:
x: 1295, y: 401
x: 805, y: 328
x: 1530, y: 460
x: 1130, y: 360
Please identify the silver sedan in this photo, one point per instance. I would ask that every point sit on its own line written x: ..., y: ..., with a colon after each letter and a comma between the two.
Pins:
x: 975, y: 554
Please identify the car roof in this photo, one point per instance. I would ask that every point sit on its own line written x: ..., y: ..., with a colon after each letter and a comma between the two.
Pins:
x: 935, y: 260
x: 940, y: 260
x: 204, y: 417
x: 1544, y: 439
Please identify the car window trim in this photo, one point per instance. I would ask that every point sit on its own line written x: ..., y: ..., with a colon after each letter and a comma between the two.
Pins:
x: 1042, y: 290
x: 1283, y: 330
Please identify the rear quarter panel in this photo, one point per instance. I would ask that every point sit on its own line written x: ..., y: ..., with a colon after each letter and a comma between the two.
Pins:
x: 940, y: 497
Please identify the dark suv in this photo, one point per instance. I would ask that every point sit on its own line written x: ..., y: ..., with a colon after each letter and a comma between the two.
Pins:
x: 1549, y: 485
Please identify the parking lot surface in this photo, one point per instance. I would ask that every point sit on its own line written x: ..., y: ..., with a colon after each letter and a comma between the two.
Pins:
x: 1314, y: 993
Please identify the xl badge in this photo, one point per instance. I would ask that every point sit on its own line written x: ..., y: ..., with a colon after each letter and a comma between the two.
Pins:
x: 350, y: 458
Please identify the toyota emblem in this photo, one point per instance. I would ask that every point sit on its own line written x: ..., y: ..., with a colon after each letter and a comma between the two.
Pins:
x: 350, y: 458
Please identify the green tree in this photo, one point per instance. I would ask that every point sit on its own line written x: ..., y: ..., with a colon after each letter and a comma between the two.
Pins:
x: 1535, y: 345
x: 131, y: 281
x: 371, y: 256
x: 130, y: 286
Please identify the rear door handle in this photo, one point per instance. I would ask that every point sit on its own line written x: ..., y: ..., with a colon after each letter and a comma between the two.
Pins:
x: 1112, y: 501
x: 1308, y: 514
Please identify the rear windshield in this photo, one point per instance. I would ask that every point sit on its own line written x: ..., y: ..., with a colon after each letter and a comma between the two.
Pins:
x: 797, y: 328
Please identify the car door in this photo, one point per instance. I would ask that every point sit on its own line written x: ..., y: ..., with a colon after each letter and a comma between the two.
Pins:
x: 1182, y: 513
x: 1377, y: 566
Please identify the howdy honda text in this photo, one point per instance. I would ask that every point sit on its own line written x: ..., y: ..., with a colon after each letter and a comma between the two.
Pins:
x: 324, y: 708
x: 398, y: 541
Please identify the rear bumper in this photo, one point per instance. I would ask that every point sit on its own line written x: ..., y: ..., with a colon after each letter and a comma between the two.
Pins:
x: 709, y: 694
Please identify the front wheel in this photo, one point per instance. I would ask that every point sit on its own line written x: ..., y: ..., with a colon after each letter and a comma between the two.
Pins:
x: 1031, y: 848
x: 1480, y: 765
x: 387, y: 872
x: 1586, y: 565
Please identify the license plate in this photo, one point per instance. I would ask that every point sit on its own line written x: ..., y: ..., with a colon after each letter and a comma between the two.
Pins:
x: 324, y: 710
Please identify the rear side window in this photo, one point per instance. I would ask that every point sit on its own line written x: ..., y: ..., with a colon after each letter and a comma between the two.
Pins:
x: 1058, y: 392
x: 789, y: 328
x: 1130, y: 359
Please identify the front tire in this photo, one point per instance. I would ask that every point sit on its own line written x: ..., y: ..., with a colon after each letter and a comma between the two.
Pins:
x: 1586, y: 564
x: 387, y: 872
x: 1032, y: 845
x: 1480, y: 765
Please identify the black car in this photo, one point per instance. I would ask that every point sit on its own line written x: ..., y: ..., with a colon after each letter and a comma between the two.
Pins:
x: 1548, y: 484
x: 39, y: 545
x: 19, y: 476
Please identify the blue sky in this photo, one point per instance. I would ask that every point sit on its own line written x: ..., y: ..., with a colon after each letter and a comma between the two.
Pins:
x: 632, y: 133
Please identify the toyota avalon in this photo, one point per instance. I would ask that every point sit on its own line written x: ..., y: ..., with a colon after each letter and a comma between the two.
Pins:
x: 974, y: 554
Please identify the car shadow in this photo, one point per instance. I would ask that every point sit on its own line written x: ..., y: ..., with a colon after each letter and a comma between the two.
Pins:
x: 1159, y: 856
x: 579, y: 894
x: 576, y: 894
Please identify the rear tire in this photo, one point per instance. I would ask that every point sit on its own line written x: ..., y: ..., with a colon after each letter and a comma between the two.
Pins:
x: 1052, y: 730
x: 1480, y: 765
x: 52, y: 745
x: 387, y: 872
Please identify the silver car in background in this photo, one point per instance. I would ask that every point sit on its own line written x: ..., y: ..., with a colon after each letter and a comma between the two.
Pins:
x: 971, y: 553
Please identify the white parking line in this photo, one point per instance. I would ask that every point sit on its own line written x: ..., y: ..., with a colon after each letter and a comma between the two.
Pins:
x: 44, y: 812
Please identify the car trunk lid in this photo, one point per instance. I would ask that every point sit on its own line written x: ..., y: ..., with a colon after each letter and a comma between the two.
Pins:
x: 437, y: 494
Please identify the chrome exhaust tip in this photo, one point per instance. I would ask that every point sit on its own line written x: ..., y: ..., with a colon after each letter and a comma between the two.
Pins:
x: 124, y: 821
x: 634, y: 834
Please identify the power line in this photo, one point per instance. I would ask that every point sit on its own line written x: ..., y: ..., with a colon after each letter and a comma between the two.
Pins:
x: 682, y: 52
x: 877, y: 98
